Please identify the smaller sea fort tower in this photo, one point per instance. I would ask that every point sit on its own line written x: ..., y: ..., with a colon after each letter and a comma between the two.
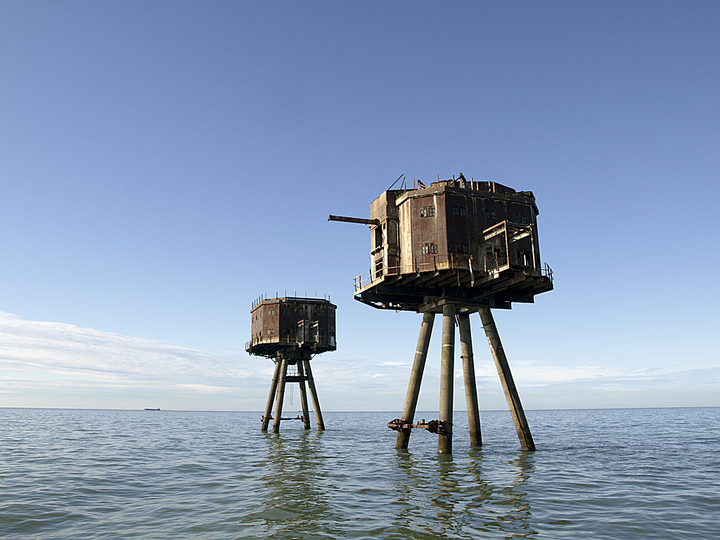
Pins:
x: 290, y: 331
x: 454, y: 247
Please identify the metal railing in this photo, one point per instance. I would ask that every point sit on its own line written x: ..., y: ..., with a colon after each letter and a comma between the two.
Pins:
x: 443, y: 262
x: 450, y: 262
x: 270, y: 340
x: 547, y: 272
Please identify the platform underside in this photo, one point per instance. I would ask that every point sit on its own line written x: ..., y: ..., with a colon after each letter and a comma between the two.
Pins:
x: 428, y: 291
x: 278, y: 348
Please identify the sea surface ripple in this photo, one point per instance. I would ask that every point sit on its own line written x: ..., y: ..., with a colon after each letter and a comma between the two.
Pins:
x: 611, y: 474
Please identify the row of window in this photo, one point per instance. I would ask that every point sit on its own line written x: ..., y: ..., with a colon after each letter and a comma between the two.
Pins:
x: 429, y: 211
x: 462, y: 211
x: 460, y: 247
x: 259, y: 314
x: 271, y: 332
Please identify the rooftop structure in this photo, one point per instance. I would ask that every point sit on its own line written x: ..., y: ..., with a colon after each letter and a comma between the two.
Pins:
x: 288, y: 323
x: 470, y: 241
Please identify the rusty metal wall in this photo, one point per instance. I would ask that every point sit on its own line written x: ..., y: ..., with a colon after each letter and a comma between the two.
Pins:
x: 443, y: 224
x: 277, y: 320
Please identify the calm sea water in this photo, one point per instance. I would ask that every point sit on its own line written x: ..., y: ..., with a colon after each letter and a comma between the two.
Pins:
x: 648, y: 473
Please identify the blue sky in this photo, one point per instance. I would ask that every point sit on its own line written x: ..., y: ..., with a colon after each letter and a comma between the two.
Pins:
x: 163, y: 164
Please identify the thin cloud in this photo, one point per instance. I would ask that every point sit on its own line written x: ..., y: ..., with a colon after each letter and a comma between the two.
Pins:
x: 49, y: 356
x: 540, y: 386
x: 62, y: 365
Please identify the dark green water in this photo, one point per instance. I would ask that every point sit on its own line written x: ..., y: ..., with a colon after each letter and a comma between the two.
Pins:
x: 615, y: 474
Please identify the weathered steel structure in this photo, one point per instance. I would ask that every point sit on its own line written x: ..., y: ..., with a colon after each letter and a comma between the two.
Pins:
x: 290, y: 331
x: 455, y: 247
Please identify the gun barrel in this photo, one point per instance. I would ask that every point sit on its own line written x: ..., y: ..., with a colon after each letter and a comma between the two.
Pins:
x: 362, y: 221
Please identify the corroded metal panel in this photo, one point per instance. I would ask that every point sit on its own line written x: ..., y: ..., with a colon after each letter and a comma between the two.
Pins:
x: 292, y: 323
x: 430, y: 242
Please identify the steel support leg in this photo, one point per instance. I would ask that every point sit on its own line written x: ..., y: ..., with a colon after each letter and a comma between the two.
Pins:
x: 503, y: 369
x: 413, y: 391
x: 303, y: 395
x: 466, y: 351
x: 313, y: 395
x: 271, y: 397
x: 447, y: 363
x: 280, y: 395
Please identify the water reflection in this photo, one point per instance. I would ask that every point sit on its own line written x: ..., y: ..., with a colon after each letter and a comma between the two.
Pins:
x: 295, y: 496
x: 514, y: 497
x: 464, y: 496
x: 410, y: 490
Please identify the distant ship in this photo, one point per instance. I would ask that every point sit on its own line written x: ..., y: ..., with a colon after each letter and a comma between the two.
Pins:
x: 155, y: 409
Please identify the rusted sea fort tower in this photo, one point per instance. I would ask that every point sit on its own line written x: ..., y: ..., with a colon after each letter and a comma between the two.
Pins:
x: 290, y: 331
x: 455, y: 247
